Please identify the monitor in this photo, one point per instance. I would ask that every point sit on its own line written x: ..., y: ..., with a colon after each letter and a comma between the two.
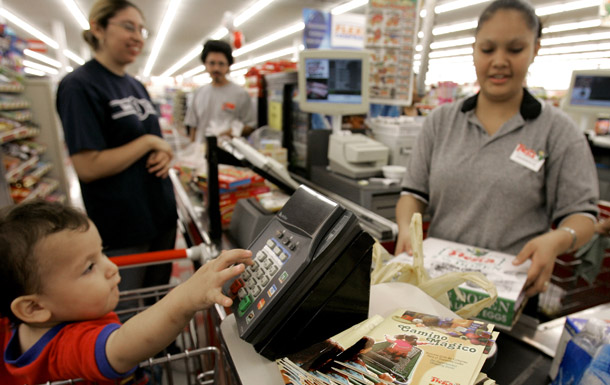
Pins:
x: 589, y: 92
x: 334, y: 82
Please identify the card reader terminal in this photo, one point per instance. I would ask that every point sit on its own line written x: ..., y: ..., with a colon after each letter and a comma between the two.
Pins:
x: 306, y: 263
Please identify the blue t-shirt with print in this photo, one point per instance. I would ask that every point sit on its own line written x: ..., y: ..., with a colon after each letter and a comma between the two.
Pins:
x: 100, y: 110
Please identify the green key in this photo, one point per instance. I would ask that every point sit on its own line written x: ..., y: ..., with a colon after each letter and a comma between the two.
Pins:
x: 244, y: 305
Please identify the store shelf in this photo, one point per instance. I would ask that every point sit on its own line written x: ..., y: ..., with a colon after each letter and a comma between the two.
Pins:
x: 17, y: 115
x: 11, y: 88
x: 18, y: 172
x: 43, y: 189
x: 19, y: 133
x: 14, y: 105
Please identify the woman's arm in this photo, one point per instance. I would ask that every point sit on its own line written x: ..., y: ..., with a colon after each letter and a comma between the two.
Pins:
x: 573, y: 232
x: 92, y: 165
x: 405, y: 208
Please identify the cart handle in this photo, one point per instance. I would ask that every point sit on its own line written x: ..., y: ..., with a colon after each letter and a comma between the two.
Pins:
x: 193, y: 253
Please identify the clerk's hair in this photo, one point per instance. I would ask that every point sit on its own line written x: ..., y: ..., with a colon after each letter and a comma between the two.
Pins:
x: 217, y: 46
x: 101, y: 12
x: 527, y: 11
x: 22, y: 227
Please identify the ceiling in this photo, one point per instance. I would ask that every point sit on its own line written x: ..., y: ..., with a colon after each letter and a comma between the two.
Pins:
x: 197, y: 20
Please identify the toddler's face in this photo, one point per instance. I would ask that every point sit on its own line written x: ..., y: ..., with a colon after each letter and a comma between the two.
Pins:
x: 79, y: 282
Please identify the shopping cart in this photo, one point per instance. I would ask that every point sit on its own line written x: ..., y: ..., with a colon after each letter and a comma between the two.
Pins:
x: 195, y: 363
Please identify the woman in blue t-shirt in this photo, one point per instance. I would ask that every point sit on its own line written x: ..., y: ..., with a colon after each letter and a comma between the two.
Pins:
x: 114, y: 139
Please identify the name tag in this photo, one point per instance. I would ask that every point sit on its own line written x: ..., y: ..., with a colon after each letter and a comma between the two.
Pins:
x: 527, y: 157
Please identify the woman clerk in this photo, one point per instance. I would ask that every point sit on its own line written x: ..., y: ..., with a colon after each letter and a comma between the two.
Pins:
x: 499, y: 169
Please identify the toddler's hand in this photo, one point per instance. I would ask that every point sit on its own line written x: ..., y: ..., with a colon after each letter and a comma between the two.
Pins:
x: 206, y: 284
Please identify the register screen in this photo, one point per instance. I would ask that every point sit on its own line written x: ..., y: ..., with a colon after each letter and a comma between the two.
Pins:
x: 591, y: 90
x: 334, y: 80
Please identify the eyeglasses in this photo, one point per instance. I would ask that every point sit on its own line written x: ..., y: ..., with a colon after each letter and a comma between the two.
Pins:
x: 220, y: 64
x: 131, y: 28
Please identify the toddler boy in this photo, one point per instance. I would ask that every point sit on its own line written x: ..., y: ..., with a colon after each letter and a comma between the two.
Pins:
x: 58, y: 292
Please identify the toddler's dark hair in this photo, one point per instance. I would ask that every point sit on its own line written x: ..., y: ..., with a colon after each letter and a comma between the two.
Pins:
x: 21, y: 228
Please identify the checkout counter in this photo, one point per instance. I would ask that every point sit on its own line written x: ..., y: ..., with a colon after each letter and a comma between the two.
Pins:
x: 523, y: 356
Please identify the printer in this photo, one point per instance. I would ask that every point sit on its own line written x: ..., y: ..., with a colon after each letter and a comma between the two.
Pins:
x: 356, y: 156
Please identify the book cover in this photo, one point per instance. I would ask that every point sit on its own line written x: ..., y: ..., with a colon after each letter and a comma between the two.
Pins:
x: 441, y: 257
x: 406, y: 348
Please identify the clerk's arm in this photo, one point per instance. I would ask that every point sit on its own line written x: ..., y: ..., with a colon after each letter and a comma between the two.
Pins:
x: 544, y: 249
x: 405, y: 208
x: 91, y: 165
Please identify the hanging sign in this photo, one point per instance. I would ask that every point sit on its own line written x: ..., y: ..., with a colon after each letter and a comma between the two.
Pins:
x: 347, y: 31
x: 316, y: 34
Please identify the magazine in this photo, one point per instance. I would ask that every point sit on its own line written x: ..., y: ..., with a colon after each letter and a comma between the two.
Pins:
x: 407, y: 348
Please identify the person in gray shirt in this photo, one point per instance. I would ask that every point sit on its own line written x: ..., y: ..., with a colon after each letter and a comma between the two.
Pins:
x: 498, y: 170
x: 222, y: 102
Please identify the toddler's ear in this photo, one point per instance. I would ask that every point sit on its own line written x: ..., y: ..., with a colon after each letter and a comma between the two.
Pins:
x: 29, y: 309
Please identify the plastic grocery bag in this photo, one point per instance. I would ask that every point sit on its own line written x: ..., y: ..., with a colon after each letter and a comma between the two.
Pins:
x: 416, y: 274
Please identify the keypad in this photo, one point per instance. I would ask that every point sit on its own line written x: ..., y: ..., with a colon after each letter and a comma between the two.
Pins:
x: 267, y: 263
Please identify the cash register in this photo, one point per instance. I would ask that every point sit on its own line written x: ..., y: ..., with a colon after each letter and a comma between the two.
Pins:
x: 356, y: 156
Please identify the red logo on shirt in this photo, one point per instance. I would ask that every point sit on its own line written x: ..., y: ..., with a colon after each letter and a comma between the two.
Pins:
x: 228, y: 106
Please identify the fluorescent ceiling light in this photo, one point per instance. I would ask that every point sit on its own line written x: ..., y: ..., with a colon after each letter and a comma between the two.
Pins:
x: 349, y: 6
x: 69, y: 69
x: 575, y: 38
x: 77, y: 13
x: 541, y: 11
x: 452, y: 43
x: 40, y: 67
x: 32, y: 71
x: 180, y: 63
x: 239, y: 73
x: 453, y: 5
x: 572, y: 56
x: 194, y: 71
x: 558, y: 8
x: 42, y: 58
x: 454, y: 60
x: 451, y: 52
x: 572, y: 26
x: 220, y: 33
x: 250, y: 12
x: 263, y: 58
x: 575, y: 48
x: 449, y: 28
x: 28, y: 28
x: 170, y: 13
x: 202, y: 79
x: 270, y: 38
x: 74, y: 57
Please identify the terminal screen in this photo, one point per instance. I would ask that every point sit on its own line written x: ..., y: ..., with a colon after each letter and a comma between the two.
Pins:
x: 334, y: 80
x: 591, y: 90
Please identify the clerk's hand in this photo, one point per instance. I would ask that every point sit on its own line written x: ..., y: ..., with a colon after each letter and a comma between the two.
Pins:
x: 543, y: 251
x: 403, y: 242
x: 159, y: 163
x: 603, y: 227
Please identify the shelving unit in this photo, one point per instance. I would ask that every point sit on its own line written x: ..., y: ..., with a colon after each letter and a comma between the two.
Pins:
x: 32, y: 154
